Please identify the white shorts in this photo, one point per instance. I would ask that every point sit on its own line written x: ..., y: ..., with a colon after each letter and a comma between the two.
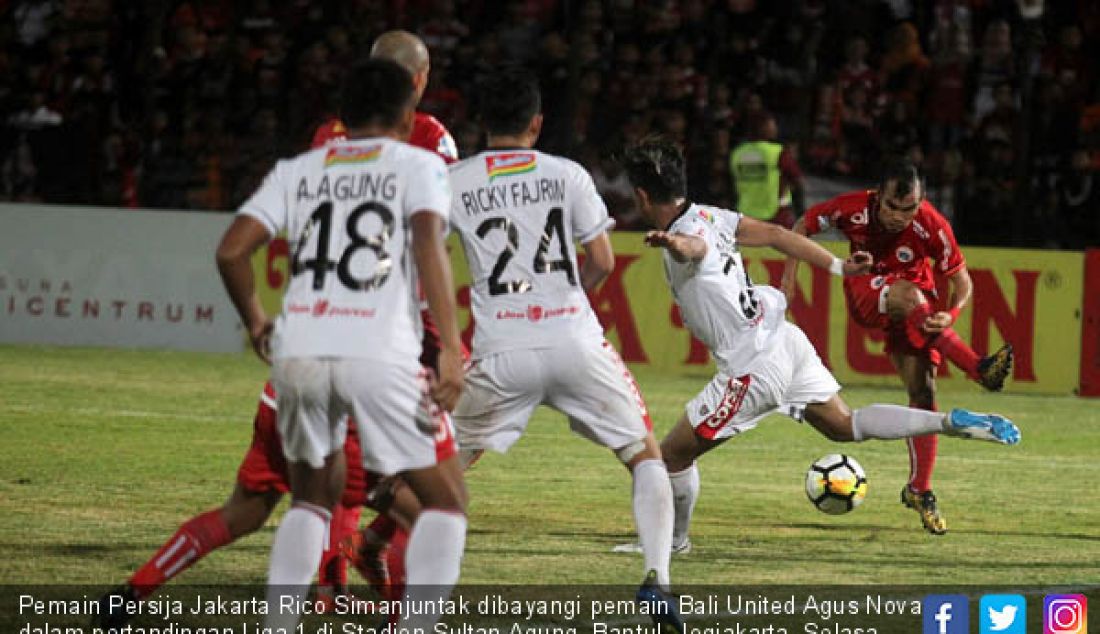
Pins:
x: 395, y: 416
x: 585, y: 380
x: 786, y: 378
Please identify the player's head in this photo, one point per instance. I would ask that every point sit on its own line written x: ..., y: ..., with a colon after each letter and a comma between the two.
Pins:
x: 656, y: 169
x: 409, y: 52
x: 763, y: 127
x: 900, y: 193
x: 378, y: 95
x: 510, y: 105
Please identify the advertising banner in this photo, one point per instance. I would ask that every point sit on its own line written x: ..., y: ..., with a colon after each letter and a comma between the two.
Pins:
x: 1027, y: 297
x: 109, y: 277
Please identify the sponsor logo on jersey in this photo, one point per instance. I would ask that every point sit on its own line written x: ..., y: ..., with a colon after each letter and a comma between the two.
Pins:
x: 920, y: 230
x: 351, y: 155
x: 904, y: 254
x: 706, y: 215
x: 498, y: 165
x: 324, y: 308
x: 727, y: 408
x: 535, y: 313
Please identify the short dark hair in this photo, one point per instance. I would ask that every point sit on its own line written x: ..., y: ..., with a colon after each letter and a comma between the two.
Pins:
x: 903, y: 172
x: 376, y: 92
x: 656, y: 166
x: 507, y: 100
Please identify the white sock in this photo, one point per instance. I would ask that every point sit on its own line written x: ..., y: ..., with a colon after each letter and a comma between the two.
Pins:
x: 653, y: 516
x: 685, y: 490
x: 295, y: 555
x: 890, y: 422
x: 433, y: 560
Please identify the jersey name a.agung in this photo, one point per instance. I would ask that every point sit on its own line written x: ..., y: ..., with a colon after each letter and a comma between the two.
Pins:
x: 346, y: 209
x: 518, y: 213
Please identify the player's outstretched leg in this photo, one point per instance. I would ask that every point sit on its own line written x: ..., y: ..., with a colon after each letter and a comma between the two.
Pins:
x: 245, y: 512
x: 892, y: 422
x: 906, y: 304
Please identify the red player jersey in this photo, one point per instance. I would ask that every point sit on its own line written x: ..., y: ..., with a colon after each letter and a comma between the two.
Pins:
x: 429, y: 133
x: 904, y: 254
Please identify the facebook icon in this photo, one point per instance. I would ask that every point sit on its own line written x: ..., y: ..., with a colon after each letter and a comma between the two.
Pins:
x: 945, y: 614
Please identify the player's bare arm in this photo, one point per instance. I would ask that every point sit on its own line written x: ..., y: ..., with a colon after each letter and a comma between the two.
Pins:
x: 754, y: 233
x: 961, y: 289
x: 790, y: 269
x: 599, y: 261
x: 437, y: 284
x: 682, y: 247
x: 234, y: 257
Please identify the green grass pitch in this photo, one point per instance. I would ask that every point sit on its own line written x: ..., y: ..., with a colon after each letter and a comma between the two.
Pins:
x: 104, y: 452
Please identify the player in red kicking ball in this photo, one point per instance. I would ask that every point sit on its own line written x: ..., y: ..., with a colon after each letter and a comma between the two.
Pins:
x: 903, y: 231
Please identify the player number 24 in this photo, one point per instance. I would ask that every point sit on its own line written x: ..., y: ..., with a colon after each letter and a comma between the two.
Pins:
x: 554, y: 224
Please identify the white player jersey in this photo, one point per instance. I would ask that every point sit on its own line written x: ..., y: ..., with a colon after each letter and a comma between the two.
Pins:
x: 518, y: 213
x: 346, y: 208
x: 719, y: 303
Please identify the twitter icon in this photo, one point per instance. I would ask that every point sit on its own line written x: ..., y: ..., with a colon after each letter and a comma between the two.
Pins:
x: 1003, y: 614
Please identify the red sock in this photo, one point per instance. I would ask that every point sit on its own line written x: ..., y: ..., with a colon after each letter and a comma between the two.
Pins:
x: 395, y: 562
x: 197, y: 537
x: 922, y: 458
x: 962, y: 355
x: 383, y: 527
x: 333, y: 570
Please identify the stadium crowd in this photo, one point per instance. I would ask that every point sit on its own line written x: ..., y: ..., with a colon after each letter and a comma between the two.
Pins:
x: 186, y: 104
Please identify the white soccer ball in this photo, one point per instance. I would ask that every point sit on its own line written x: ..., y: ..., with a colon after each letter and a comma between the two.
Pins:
x: 836, y: 484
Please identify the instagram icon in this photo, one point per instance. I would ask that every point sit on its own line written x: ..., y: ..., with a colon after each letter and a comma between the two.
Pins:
x: 1065, y: 614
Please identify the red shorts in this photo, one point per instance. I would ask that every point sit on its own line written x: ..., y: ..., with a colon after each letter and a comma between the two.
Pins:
x: 264, y: 467
x: 866, y: 295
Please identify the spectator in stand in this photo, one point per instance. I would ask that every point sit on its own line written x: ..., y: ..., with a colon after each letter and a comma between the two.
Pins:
x: 898, y: 130
x: 855, y: 71
x: 1077, y: 195
x: 994, y: 66
x: 858, y: 143
x: 1002, y: 122
x: 766, y: 176
x: 945, y: 102
x: 904, y: 66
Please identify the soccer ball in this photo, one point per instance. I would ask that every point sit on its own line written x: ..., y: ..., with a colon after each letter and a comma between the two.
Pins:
x: 836, y: 484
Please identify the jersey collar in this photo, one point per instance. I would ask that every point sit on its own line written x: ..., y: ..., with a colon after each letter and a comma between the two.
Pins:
x: 680, y: 214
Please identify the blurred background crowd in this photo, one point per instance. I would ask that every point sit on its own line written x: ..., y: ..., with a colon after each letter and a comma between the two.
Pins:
x: 186, y: 104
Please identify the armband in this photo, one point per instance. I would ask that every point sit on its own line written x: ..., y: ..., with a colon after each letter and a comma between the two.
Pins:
x: 837, y: 267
